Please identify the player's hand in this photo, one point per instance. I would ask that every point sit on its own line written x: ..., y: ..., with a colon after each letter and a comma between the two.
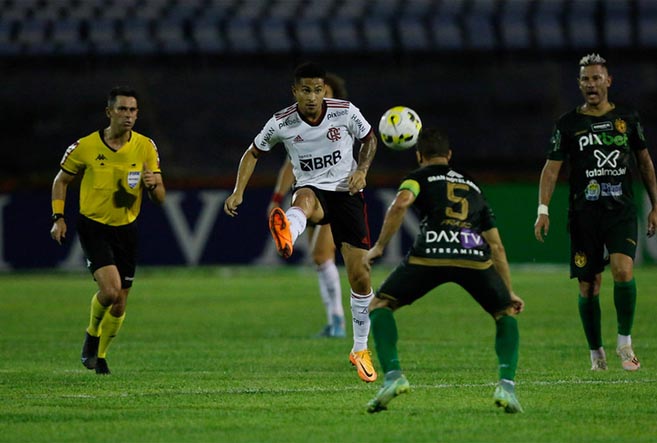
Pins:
x: 541, y: 227
x: 357, y: 181
x: 518, y: 304
x: 58, y: 230
x: 231, y: 204
x: 148, y: 177
x: 652, y: 223
x: 375, y: 252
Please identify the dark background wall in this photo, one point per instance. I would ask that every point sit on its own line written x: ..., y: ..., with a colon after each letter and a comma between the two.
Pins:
x: 495, y: 73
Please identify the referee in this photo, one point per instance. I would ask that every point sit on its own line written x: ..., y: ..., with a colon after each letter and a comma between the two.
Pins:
x: 116, y: 164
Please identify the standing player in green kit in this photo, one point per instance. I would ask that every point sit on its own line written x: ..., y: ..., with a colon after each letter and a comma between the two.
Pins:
x: 599, y: 140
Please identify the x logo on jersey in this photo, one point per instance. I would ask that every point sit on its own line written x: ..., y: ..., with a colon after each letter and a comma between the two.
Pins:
x: 606, y: 159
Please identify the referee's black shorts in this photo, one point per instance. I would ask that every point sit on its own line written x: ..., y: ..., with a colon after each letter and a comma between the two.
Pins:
x: 105, y: 245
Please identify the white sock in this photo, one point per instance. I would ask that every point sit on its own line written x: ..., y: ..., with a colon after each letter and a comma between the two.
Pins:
x: 598, y: 354
x: 360, y: 314
x: 624, y: 340
x: 297, y: 219
x: 330, y: 290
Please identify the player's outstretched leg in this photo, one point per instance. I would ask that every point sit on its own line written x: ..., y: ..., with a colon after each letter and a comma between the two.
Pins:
x: 279, y: 226
x: 394, y: 384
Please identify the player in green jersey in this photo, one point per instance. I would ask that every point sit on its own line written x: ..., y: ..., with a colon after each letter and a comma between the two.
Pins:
x: 599, y: 140
x: 458, y: 242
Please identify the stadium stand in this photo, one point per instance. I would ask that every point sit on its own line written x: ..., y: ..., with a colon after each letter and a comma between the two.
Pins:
x: 177, y: 27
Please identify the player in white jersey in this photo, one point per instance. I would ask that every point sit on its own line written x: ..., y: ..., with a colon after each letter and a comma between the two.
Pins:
x: 320, y: 238
x: 318, y: 135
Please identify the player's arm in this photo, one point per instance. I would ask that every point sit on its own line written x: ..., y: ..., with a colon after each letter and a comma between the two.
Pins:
x: 501, y: 264
x: 58, y: 200
x: 284, y: 182
x: 357, y: 180
x: 391, y: 223
x: 244, y: 172
x: 547, y: 183
x: 647, y: 171
x: 153, y: 184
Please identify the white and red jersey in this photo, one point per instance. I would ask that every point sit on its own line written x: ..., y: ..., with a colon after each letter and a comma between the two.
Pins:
x: 321, y: 153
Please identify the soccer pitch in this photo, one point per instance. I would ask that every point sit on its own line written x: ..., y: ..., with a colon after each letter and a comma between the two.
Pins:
x: 223, y: 354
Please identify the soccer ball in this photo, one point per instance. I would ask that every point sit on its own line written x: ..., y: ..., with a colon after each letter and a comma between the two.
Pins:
x: 399, y: 128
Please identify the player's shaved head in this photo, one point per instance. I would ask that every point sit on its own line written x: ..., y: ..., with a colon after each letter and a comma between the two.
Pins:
x: 433, y: 142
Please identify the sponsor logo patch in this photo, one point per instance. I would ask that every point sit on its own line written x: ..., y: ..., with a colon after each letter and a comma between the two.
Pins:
x: 580, y: 259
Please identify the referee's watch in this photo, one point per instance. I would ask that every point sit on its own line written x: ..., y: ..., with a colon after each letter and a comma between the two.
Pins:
x: 56, y: 217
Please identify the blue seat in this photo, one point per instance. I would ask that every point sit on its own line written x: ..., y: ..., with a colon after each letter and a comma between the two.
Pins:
x: 7, y: 45
x: 310, y: 36
x: 479, y: 25
x: 206, y: 35
x: 66, y: 37
x: 647, y: 23
x: 137, y: 35
x: 32, y: 36
x: 445, y: 27
x: 514, y: 25
x: 275, y: 37
x: 617, y: 24
x: 413, y: 35
x: 344, y: 35
x: 241, y: 36
x: 581, y: 24
x: 377, y: 33
x: 548, y: 31
x: 103, y: 36
x: 170, y: 35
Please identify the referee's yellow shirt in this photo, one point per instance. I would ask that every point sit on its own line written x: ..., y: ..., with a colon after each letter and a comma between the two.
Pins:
x: 111, y: 187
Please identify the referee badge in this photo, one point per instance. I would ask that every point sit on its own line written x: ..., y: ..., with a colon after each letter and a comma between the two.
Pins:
x: 580, y: 259
x: 133, y: 179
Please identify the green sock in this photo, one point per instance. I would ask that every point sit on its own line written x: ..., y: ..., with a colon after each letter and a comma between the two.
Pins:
x: 384, y: 331
x: 589, y: 313
x: 507, y: 341
x: 625, y: 302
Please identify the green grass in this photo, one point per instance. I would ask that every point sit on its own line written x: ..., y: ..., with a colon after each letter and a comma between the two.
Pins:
x: 226, y: 355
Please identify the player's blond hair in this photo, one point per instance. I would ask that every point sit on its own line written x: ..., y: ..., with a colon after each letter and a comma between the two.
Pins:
x: 592, y: 59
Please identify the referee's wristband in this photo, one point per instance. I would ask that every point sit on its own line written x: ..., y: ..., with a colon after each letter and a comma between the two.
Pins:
x: 543, y: 210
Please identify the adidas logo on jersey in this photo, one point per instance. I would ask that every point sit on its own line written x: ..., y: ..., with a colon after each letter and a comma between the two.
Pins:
x: 297, y: 139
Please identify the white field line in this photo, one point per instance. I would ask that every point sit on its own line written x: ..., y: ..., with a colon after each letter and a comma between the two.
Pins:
x: 362, y: 387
